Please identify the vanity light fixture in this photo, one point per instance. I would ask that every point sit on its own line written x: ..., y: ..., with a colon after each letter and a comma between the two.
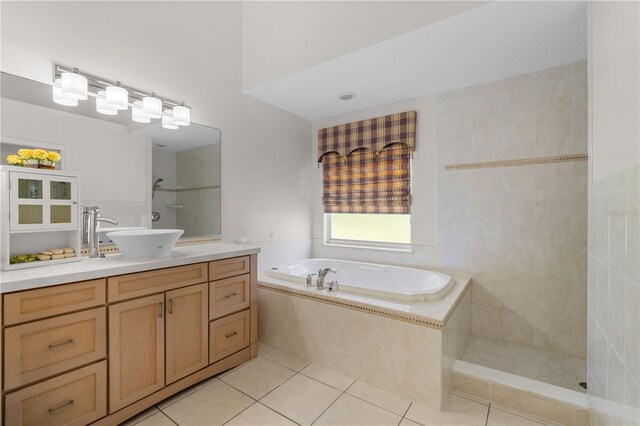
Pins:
x: 74, y: 85
x: 181, y: 115
x: 136, y: 113
x: 118, y: 97
x: 60, y: 98
x: 71, y: 85
x: 168, y: 122
x: 102, y: 106
x: 152, y: 106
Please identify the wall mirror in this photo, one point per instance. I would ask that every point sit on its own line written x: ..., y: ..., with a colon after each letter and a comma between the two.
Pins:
x: 141, y: 175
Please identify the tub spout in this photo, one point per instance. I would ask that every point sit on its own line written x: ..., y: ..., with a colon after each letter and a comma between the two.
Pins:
x: 321, y: 274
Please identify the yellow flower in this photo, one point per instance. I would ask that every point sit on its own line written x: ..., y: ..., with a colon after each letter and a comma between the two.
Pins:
x: 14, y: 159
x: 25, y: 153
x: 40, y: 154
x: 54, y: 156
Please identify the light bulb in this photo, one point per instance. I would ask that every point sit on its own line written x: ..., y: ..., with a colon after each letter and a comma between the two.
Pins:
x: 151, y: 107
x: 167, y: 121
x: 60, y: 98
x: 181, y: 115
x: 74, y: 85
x: 101, y: 105
x: 118, y: 97
x: 137, y: 115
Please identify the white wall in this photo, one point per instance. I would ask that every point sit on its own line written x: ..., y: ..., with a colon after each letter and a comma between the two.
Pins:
x: 615, y: 66
x: 95, y: 148
x: 423, y: 193
x: 192, y: 52
x: 280, y: 38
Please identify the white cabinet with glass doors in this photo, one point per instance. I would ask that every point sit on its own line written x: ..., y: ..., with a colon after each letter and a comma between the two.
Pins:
x: 40, y: 211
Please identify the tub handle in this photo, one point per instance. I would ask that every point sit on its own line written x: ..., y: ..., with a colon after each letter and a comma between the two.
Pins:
x: 310, y: 279
x: 333, y: 286
x: 373, y: 269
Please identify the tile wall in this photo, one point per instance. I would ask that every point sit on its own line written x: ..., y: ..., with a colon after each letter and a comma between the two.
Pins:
x: 521, y: 231
x: 613, y: 361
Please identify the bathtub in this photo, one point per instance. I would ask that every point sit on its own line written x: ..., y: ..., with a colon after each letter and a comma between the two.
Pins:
x: 388, y: 282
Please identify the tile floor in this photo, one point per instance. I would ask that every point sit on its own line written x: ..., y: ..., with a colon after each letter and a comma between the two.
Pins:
x: 537, y: 364
x: 279, y: 389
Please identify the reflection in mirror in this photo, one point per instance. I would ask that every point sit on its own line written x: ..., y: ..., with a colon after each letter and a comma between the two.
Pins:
x: 185, y: 187
x: 121, y: 160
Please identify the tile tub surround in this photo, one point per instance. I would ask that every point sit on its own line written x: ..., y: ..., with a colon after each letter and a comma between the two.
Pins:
x: 614, y: 298
x: 521, y: 231
x: 88, y: 269
x: 374, y: 343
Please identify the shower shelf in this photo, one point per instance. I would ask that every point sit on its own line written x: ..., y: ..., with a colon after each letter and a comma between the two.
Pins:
x: 174, y: 206
x: 182, y: 188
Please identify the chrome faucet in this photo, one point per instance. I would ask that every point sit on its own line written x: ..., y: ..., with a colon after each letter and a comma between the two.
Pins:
x: 90, y: 228
x: 321, y: 274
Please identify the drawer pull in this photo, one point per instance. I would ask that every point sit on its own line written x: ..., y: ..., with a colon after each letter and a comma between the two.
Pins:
x: 55, y: 345
x: 229, y: 335
x: 68, y: 404
x: 170, y: 306
x: 230, y: 295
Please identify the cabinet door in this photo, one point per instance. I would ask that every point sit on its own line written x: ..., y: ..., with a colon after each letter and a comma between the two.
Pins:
x: 186, y: 327
x: 136, y: 350
x: 38, y: 201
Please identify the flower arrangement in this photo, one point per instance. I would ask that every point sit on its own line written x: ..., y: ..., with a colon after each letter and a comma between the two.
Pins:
x: 34, y: 158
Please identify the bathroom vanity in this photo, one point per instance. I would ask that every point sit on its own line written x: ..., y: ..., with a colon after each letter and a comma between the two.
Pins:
x: 103, y: 339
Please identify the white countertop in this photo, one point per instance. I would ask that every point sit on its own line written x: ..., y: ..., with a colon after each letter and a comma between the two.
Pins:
x: 114, y: 264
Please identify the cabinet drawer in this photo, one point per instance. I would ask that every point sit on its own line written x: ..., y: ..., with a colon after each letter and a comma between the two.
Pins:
x: 228, y: 335
x: 229, y: 295
x: 144, y: 283
x: 40, y: 349
x: 226, y: 268
x: 76, y: 398
x: 45, y: 302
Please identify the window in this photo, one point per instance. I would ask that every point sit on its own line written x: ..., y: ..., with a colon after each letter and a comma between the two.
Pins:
x: 381, y: 230
x: 366, y: 181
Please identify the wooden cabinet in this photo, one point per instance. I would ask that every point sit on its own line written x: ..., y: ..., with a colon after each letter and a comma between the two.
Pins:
x: 43, y: 348
x: 186, y: 330
x: 136, y: 350
x: 104, y: 350
x: 75, y: 398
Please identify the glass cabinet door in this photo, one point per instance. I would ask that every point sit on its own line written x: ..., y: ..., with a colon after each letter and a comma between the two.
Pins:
x: 38, y: 201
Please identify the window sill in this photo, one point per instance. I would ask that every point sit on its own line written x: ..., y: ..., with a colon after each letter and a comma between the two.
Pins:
x: 396, y: 248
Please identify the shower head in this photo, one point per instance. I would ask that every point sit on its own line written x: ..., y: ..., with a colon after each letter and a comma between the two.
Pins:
x: 155, y: 185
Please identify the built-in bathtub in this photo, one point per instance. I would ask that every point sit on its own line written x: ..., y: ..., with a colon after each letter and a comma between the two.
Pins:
x: 387, y: 282
x: 391, y: 341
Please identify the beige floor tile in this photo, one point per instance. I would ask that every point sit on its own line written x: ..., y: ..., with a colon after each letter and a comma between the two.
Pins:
x: 301, y: 399
x: 258, y: 377
x: 502, y: 418
x: 188, y: 391
x: 140, y: 417
x: 407, y: 422
x: 349, y: 410
x: 379, y: 397
x: 263, y: 349
x: 258, y: 414
x: 460, y: 411
x: 286, y: 360
x: 328, y: 376
x: 157, y: 419
x: 212, y: 405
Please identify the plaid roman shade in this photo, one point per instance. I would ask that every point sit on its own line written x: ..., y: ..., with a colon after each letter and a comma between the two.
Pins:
x: 366, y: 165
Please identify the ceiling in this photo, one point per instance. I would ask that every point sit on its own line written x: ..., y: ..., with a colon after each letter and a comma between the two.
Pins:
x: 491, y: 42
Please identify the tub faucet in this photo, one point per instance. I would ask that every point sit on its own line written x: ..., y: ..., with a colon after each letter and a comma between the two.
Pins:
x: 91, y: 228
x: 321, y: 274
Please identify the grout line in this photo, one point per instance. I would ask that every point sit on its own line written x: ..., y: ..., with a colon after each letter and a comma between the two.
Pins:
x: 169, y: 417
x: 242, y: 411
x: 407, y: 410
x: 486, y: 420
x: 306, y: 375
x: 330, y: 405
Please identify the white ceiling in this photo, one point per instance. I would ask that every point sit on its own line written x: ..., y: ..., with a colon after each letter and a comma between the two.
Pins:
x: 488, y: 43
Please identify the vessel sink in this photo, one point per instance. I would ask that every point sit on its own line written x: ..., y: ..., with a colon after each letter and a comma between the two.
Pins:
x: 102, y: 232
x: 145, y: 243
